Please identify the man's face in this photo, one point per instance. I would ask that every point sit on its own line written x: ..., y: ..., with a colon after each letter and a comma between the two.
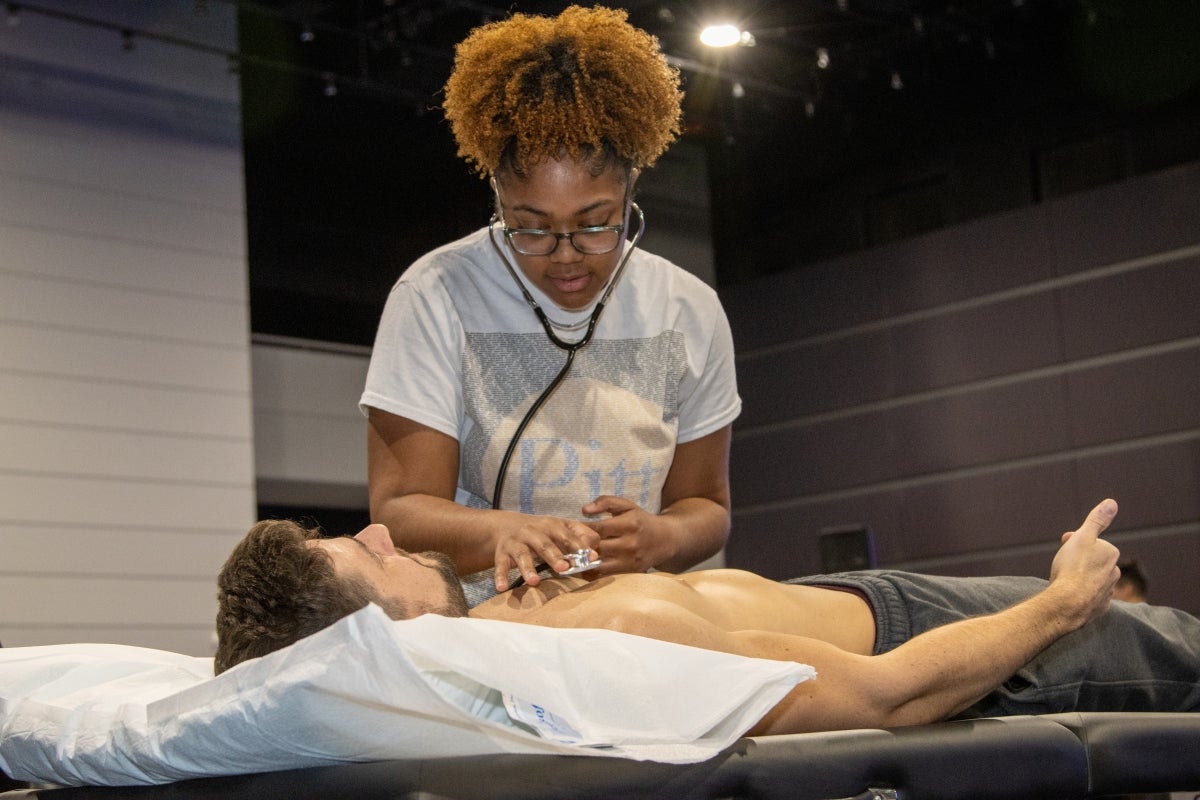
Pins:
x: 426, y: 583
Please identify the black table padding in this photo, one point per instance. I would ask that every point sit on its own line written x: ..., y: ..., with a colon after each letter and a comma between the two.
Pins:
x: 1014, y: 757
x: 1137, y: 753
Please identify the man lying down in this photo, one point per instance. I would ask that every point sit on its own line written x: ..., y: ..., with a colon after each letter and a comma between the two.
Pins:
x: 890, y: 648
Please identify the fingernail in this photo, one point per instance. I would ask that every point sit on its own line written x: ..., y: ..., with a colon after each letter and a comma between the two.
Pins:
x: 1108, y: 507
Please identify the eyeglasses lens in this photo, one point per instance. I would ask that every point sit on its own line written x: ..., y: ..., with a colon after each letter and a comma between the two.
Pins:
x: 592, y: 243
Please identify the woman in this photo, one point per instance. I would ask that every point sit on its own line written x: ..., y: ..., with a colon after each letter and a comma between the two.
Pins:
x: 488, y: 440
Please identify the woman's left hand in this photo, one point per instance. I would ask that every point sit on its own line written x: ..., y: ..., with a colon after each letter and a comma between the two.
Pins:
x: 631, y: 538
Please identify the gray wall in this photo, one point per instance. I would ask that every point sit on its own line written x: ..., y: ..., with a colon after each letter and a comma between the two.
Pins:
x: 971, y: 393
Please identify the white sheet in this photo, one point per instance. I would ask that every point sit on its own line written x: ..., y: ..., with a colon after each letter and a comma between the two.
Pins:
x: 367, y: 689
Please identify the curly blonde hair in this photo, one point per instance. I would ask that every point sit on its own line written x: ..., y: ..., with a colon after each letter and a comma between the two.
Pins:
x: 585, y: 83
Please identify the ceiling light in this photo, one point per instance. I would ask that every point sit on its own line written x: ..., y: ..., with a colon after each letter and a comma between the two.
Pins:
x: 721, y: 35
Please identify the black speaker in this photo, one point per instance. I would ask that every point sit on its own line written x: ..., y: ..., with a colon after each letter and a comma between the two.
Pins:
x: 846, y: 548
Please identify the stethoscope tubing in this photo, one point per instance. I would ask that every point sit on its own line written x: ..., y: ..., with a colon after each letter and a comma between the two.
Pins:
x: 570, y: 348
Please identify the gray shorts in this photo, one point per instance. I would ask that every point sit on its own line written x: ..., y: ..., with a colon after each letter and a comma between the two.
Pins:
x: 1137, y: 657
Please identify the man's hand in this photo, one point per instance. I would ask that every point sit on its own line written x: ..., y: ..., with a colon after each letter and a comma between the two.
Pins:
x: 1085, y: 566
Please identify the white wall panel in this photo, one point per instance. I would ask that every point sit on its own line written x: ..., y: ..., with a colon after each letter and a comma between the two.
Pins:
x: 177, y: 638
x: 87, y: 402
x: 51, y: 351
x: 190, y: 172
x: 114, y: 552
x: 60, y: 205
x: 115, y: 262
x: 290, y: 379
x: 310, y: 439
x: 82, y: 306
x: 126, y: 443
x: 59, y: 450
x: 145, y: 504
x: 309, y: 448
x: 49, y: 599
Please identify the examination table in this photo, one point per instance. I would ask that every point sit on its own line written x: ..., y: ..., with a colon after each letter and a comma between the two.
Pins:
x: 1059, y: 756
x: 440, y: 708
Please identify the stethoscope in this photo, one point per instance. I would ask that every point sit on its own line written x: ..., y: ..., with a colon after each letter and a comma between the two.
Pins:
x: 570, y: 348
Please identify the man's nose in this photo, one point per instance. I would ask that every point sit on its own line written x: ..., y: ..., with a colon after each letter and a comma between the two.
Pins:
x: 376, y: 537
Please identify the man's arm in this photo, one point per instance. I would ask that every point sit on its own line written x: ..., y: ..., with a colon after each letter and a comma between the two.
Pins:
x: 933, y: 675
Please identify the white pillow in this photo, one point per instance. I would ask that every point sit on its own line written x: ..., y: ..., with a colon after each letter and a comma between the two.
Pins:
x: 368, y: 689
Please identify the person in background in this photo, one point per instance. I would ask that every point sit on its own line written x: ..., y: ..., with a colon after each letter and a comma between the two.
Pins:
x: 1132, y: 585
x: 542, y: 386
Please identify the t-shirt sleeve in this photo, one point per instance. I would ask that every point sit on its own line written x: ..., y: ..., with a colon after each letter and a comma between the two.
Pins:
x: 711, y: 401
x: 416, y: 365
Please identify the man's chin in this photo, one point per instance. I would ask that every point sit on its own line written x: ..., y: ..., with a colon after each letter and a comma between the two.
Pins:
x: 456, y: 600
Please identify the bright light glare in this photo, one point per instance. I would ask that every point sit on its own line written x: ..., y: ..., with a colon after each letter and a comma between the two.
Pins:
x: 721, y: 35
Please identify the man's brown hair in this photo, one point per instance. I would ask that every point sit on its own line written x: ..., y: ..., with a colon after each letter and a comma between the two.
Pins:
x: 274, y: 590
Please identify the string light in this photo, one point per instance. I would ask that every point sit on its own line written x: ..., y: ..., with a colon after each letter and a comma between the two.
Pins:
x: 306, y: 33
x: 822, y: 58
x: 331, y: 87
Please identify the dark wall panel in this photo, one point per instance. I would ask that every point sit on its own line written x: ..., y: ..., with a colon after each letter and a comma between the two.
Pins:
x: 781, y: 543
x: 968, y: 344
x: 970, y: 394
x: 817, y: 376
x: 1152, y: 214
x: 996, y: 424
x: 1124, y: 400
x: 812, y: 459
x: 1155, y: 483
x: 983, y: 513
x: 1133, y: 309
x: 1006, y: 251
x: 789, y: 306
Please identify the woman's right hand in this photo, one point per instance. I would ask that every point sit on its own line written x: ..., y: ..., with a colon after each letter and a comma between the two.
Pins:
x: 523, y: 540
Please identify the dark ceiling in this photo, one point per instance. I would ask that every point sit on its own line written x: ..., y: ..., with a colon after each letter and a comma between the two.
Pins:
x: 848, y: 123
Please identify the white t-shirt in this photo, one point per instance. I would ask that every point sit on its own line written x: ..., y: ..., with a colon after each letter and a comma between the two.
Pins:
x: 460, y: 350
